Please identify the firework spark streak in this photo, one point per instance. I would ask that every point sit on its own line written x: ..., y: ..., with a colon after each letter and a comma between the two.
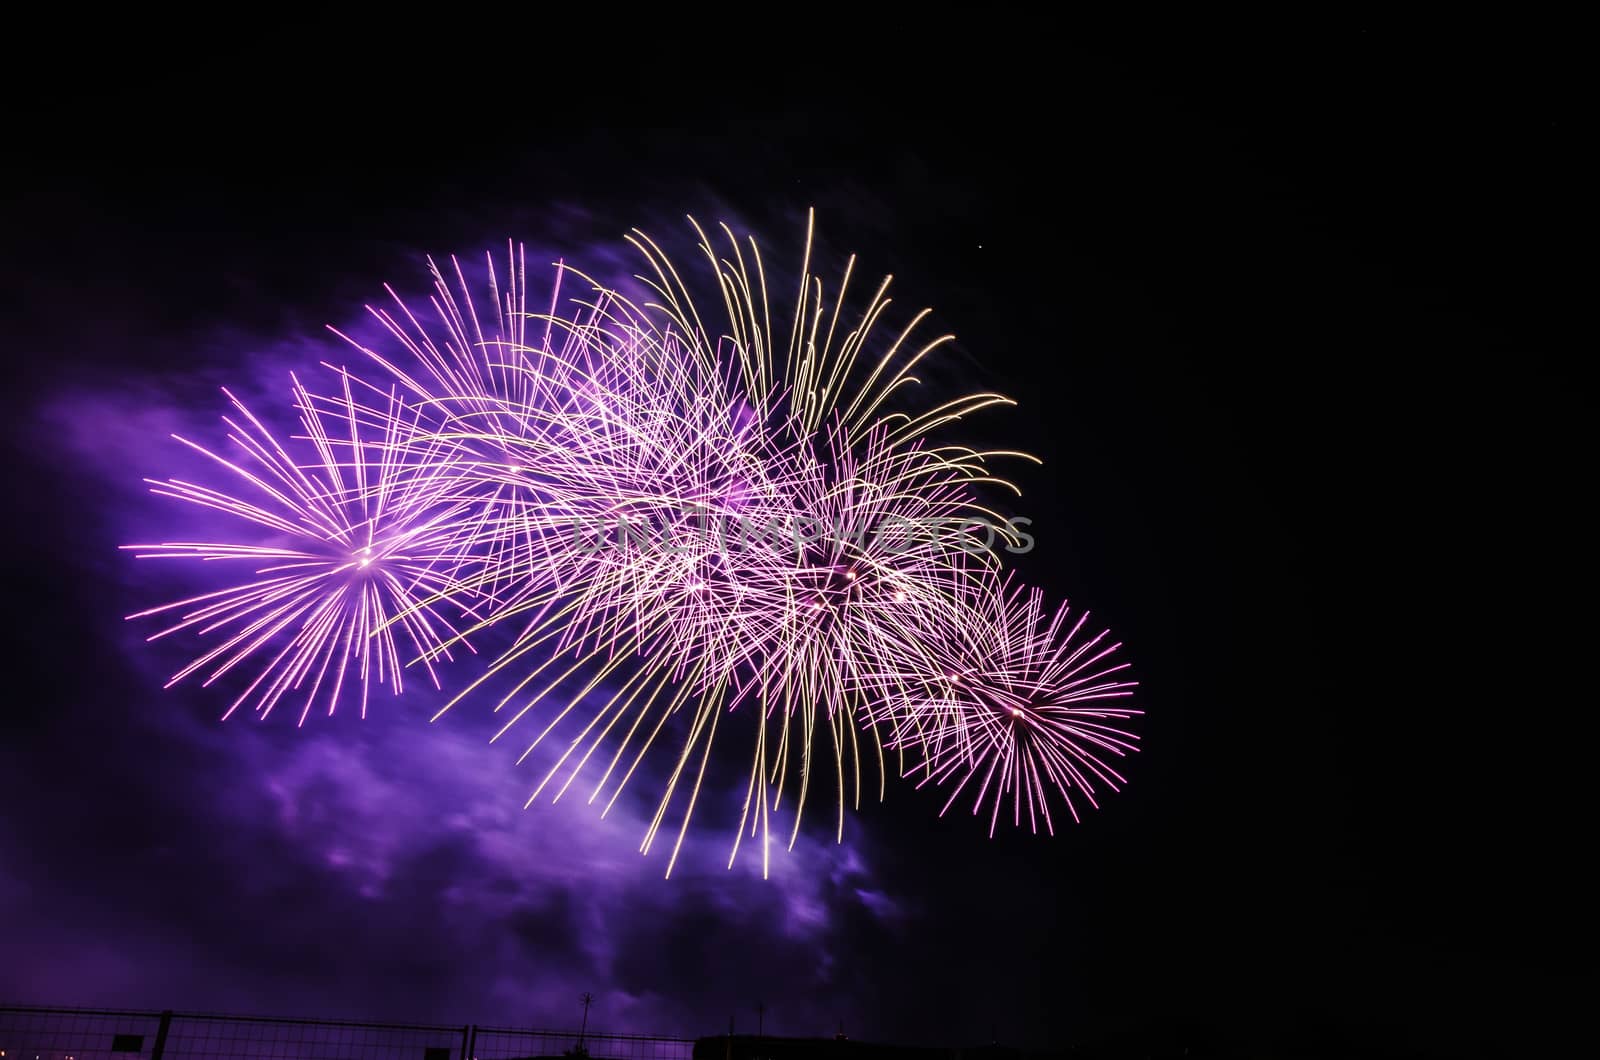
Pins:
x: 722, y: 516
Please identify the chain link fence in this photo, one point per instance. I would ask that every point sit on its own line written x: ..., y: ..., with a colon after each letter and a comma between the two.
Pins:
x: 35, y: 1033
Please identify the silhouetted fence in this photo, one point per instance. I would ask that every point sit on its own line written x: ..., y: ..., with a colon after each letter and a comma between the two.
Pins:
x: 34, y: 1033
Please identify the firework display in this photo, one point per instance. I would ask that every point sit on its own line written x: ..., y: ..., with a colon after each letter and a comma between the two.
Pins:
x: 657, y: 517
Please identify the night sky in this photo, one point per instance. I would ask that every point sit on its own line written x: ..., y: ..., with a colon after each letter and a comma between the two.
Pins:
x: 1290, y: 328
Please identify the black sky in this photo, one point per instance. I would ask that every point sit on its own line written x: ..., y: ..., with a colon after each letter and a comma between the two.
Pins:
x: 1291, y: 322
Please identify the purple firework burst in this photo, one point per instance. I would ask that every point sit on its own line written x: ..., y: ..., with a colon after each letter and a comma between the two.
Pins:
x: 350, y: 543
x: 1010, y: 703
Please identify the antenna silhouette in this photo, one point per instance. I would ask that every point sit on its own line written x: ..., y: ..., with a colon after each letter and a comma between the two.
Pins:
x: 587, y: 999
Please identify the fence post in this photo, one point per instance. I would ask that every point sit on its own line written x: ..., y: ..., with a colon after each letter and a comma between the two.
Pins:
x: 469, y: 1041
x: 161, y: 1036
